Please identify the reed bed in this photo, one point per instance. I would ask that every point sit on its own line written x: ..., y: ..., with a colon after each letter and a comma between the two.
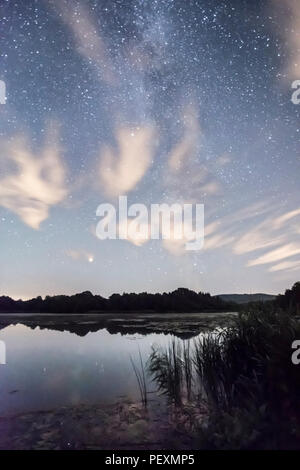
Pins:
x: 243, y: 375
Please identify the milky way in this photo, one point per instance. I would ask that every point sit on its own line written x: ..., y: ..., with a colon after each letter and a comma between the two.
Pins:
x: 162, y: 101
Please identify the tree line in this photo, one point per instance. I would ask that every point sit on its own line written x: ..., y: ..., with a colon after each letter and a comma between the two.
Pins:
x: 180, y: 300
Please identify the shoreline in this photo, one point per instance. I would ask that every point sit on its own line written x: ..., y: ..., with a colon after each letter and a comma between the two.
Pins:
x: 182, y: 325
x: 124, y: 424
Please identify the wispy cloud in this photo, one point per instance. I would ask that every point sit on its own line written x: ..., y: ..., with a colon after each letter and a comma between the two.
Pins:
x: 279, y: 221
x: 257, y: 238
x: 187, y: 146
x: 285, y: 251
x: 218, y: 241
x: 121, y: 168
x: 286, y: 266
x: 187, y: 168
x: 87, y: 37
x: 289, y: 10
x: 259, y: 229
x: 294, y: 40
x: 276, y: 235
x: 230, y: 230
x: 80, y: 255
x: 32, y: 183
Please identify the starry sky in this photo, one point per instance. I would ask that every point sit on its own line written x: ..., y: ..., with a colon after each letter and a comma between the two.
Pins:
x: 162, y: 101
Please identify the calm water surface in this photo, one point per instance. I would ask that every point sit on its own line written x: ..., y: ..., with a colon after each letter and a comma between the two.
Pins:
x: 46, y: 368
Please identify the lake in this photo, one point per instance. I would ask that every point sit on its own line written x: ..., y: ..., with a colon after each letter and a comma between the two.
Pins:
x: 68, y: 381
x: 47, y: 369
x: 84, y: 362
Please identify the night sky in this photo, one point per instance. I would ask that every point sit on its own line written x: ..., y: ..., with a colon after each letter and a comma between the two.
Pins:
x: 162, y: 101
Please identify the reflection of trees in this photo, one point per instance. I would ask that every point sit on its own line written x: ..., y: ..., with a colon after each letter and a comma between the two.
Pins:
x: 124, y: 326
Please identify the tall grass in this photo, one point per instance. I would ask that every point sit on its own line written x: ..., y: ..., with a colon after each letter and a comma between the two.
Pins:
x: 246, y: 378
x: 165, y: 367
x: 141, y: 379
x: 255, y: 349
x: 188, y: 369
x: 172, y: 370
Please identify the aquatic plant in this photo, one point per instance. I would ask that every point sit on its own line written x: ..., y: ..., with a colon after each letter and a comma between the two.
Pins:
x: 141, y: 379
x: 246, y: 379
x: 165, y: 367
x: 188, y: 368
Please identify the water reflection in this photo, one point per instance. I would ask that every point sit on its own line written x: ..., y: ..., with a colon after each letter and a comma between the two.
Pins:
x: 47, y: 368
x: 184, y: 326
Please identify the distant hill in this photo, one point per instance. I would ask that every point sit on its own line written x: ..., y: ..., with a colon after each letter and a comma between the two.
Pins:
x: 245, y: 298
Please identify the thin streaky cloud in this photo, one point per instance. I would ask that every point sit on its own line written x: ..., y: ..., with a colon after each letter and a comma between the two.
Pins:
x: 286, y: 266
x: 285, y: 251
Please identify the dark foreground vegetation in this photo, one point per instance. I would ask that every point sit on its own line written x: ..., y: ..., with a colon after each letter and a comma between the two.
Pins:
x: 244, y: 375
x: 180, y: 300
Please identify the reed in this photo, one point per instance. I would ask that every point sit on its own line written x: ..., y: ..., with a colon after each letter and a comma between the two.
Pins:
x: 188, y: 369
x: 141, y: 379
x: 165, y: 367
x: 247, y: 381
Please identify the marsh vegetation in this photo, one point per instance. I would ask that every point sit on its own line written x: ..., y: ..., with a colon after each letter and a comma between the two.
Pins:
x: 242, y: 377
